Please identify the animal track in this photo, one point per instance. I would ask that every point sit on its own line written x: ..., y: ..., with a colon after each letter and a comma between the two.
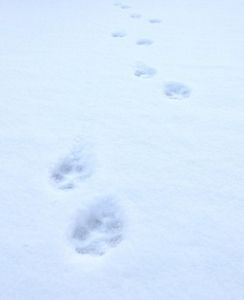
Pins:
x: 177, y: 90
x: 118, y: 34
x: 135, y: 16
x: 155, y: 21
x: 98, y: 229
x: 144, y: 71
x: 144, y: 42
x: 72, y: 169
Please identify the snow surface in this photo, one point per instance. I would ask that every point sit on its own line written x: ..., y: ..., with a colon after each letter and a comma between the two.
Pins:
x: 121, y: 150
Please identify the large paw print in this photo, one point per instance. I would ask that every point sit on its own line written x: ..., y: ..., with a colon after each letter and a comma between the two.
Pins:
x: 71, y: 170
x: 98, y: 229
x: 176, y: 90
x: 144, y: 71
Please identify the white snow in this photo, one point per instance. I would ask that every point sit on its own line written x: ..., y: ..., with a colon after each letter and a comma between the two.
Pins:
x: 162, y: 125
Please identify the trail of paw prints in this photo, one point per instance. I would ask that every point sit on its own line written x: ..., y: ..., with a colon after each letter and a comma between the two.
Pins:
x: 72, y: 170
x: 177, y: 90
x: 119, y: 34
x: 144, y: 42
x: 98, y: 229
x: 144, y: 71
x: 173, y: 90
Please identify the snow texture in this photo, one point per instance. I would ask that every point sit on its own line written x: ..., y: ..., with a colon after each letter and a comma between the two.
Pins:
x: 139, y: 100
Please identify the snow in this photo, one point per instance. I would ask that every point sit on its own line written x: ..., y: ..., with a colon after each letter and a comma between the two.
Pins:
x: 121, y: 150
